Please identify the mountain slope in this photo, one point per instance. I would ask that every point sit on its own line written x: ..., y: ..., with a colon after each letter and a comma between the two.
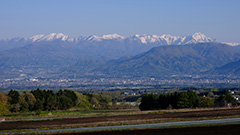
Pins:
x: 235, y: 48
x: 230, y: 68
x: 187, y: 59
x: 40, y: 59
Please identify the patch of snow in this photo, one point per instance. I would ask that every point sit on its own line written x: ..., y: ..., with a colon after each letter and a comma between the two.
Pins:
x: 36, y: 37
x: 158, y: 40
x: 50, y: 37
x: 93, y: 38
x: 231, y: 44
x: 104, y: 37
x: 112, y: 36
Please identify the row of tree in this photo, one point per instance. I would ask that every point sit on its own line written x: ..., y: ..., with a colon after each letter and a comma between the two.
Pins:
x: 48, y: 100
x: 184, y: 99
x: 41, y: 100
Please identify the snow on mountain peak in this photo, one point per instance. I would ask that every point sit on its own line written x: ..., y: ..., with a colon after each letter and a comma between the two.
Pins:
x: 199, y: 37
x: 112, y: 36
x: 152, y: 38
x: 59, y: 35
x: 136, y: 35
x: 231, y: 44
x: 50, y: 37
x: 164, y: 39
x: 54, y: 36
x: 93, y: 38
x: 36, y: 37
x: 145, y: 38
x: 196, y: 38
x: 167, y: 39
x: 106, y: 37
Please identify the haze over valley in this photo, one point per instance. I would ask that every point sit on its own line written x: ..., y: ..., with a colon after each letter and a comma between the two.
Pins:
x: 57, y: 60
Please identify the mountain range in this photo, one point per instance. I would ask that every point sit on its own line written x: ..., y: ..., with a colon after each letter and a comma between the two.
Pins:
x: 59, y: 56
x: 169, y: 60
x: 149, y: 39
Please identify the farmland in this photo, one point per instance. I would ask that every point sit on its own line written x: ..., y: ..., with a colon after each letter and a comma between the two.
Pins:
x: 120, y: 118
x: 219, y: 130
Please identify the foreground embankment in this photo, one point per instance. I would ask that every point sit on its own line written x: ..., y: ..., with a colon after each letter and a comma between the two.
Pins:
x: 120, y: 120
x: 204, y: 130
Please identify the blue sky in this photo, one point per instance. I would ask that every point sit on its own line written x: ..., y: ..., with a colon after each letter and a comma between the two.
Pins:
x: 219, y: 19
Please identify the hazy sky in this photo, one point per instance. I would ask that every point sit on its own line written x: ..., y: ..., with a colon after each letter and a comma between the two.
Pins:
x: 219, y: 19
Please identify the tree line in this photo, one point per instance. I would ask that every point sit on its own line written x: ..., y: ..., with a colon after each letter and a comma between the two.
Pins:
x: 184, y: 99
x: 48, y: 100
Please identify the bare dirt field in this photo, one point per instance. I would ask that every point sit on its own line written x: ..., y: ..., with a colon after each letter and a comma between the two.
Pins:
x: 116, y: 120
x: 206, y: 130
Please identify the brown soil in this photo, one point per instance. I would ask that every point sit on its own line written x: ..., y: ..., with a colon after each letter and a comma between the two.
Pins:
x: 208, y: 130
x: 109, y: 120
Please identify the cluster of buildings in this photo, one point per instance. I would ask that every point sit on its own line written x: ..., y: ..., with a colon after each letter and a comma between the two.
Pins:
x: 23, y: 82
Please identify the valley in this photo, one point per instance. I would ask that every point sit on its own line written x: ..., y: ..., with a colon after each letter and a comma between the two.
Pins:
x: 57, y: 61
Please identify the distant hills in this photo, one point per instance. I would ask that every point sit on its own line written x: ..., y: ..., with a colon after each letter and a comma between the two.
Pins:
x: 232, y: 68
x: 58, y: 55
x: 185, y: 59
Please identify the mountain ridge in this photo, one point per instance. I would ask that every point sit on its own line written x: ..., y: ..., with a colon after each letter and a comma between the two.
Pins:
x: 145, y: 39
x: 186, y: 59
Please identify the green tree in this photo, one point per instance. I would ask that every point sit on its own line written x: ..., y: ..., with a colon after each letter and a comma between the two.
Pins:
x: 220, y: 101
x: 68, y: 94
x: 94, y: 101
x: 40, y: 96
x: 187, y: 99
x: 206, y: 102
x: 82, y: 101
x: 193, y: 98
x: 149, y: 102
x: 1, y: 108
x: 105, y: 101
x: 225, y: 100
x: 31, y: 100
x: 230, y: 99
x: 210, y: 94
x: 64, y: 103
x: 13, y: 97
x: 23, y: 104
x: 52, y: 103
x: 39, y: 104
x: 3, y: 104
x: 183, y: 100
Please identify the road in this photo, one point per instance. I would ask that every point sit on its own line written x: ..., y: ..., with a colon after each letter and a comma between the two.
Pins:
x: 138, y: 126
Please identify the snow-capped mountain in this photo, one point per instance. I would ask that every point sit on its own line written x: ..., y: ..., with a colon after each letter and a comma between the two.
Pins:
x: 150, y: 40
x: 164, y: 39
x: 167, y: 39
x: 62, y: 37
x: 50, y: 37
